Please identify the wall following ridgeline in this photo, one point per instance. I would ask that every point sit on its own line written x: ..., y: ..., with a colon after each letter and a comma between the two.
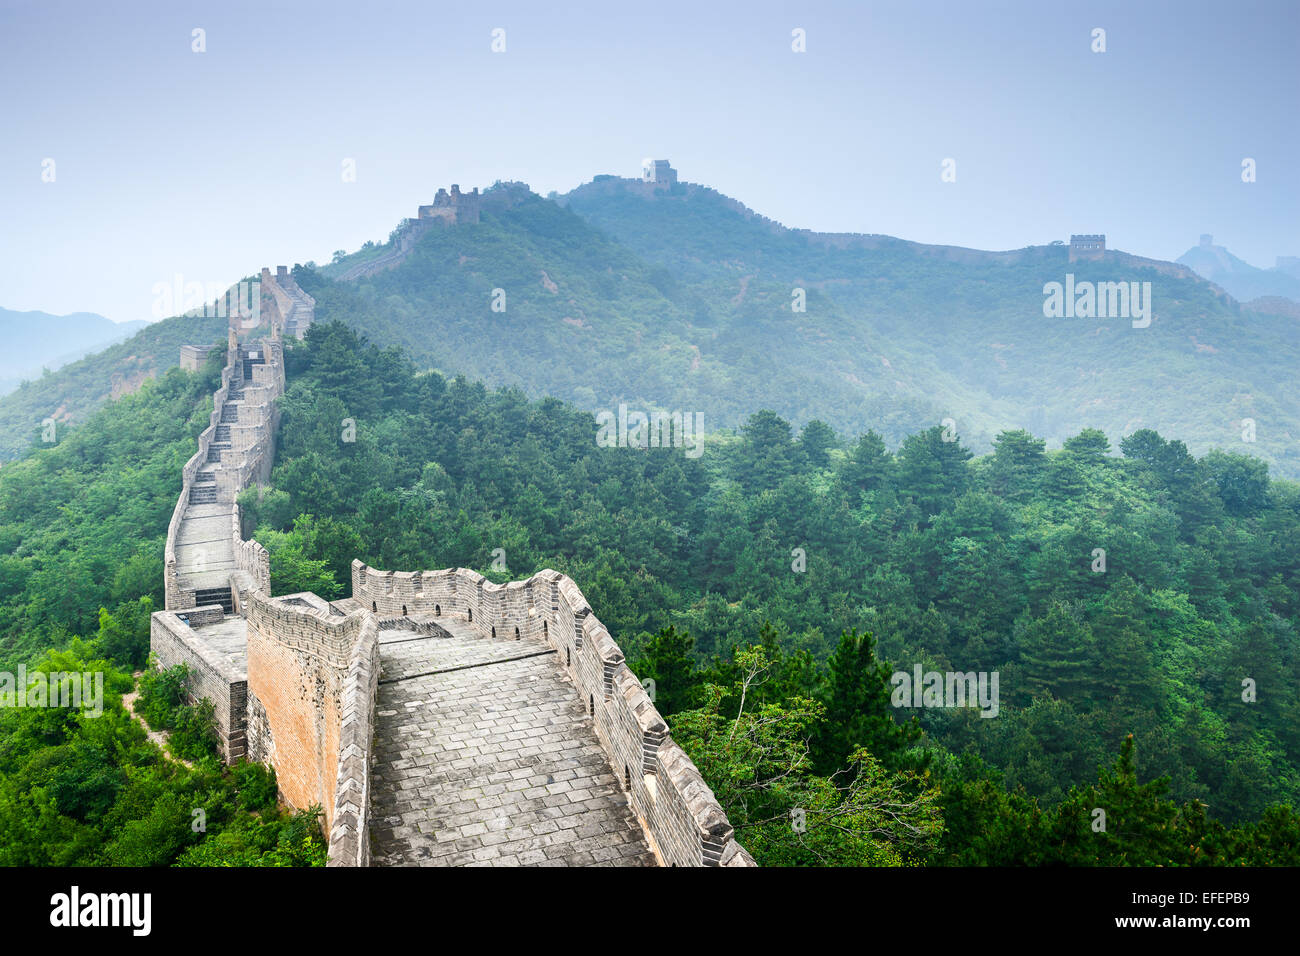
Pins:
x: 289, y: 310
x: 251, y: 422
x: 682, y: 820
x: 295, y: 686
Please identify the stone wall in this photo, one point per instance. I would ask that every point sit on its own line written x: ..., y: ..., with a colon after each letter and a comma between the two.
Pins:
x: 349, y: 832
x: 193, y: 356
x: 305, y: 701
x: 312, y: 672
x: 682, y: 819
x: 212, y: 675
x: 252, y: 453
x: 252, y: 564
x: 286, y: 308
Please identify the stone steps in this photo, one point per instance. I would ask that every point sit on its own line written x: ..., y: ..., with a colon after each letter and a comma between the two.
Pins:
x: 220, y: 596
x: 202, y: 494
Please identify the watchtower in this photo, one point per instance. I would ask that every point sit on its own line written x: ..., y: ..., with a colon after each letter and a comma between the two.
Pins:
x: 1087, y: 247
x: 658, y: 171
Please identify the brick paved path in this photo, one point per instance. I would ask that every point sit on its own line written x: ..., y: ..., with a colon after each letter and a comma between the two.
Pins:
x: 490, y: 761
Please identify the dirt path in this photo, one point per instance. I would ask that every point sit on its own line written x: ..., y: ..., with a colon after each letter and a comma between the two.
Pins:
x: 157, y: 736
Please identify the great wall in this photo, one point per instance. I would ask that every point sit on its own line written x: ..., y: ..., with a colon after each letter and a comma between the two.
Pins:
x: 436, y: 718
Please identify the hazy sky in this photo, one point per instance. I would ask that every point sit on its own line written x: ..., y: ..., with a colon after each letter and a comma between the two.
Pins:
x: 211, y: 165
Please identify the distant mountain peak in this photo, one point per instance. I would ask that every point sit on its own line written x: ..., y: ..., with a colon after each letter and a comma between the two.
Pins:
x: 1239, y: 278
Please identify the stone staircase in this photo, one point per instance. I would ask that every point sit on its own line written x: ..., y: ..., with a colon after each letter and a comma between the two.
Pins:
x: 204, y: 548
x: 300, y: 315
x: 222, y: 596
x: 204, y: 489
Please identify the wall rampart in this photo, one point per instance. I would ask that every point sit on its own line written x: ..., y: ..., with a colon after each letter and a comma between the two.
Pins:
x: 682, y: 819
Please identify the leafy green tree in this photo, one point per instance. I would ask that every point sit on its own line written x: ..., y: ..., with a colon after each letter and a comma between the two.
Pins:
x: 1019, y: 465
x: 667, y: 660
x: 932, y: 470
x: 870, y: 466
x: 816, y: 439
x: 759, y: 767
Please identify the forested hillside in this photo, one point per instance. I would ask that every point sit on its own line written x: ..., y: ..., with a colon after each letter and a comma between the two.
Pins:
x: 768, y: 557
x: 83, y: 523
x: 82, y: 527
x: 74, y: 392
x: 684, y: 300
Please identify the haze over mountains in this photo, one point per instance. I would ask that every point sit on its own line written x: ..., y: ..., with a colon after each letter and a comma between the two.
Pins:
x: 1240, y: 279
x: 681, y: 300
x: 37, y: 340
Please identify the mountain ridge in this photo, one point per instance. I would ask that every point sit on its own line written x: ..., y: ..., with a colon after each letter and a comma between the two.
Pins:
x: 1239, y: 278
x: 36, y: 341
x: 679, y: 298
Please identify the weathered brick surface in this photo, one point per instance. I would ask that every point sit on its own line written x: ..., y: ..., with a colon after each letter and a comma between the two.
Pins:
x: 492, y: 761
x: 312, y: 673
x: 681, y: 819
x: 349, y: 832
x: 217, y: 672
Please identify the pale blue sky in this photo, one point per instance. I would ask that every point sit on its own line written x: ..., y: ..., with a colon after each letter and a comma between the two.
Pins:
x: 211, y: 165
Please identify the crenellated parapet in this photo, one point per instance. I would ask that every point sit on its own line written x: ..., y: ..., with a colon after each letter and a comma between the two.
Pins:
x: 295, y: 679
x: 286, y: 308
x: 683, y: 821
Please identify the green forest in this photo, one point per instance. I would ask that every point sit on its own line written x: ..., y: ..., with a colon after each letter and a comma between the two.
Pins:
x: 83, y: 524
x: 796, y: 571
x: 1138, y: 604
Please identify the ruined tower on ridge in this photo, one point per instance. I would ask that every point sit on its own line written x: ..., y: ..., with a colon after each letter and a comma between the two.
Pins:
x: 454, y: 206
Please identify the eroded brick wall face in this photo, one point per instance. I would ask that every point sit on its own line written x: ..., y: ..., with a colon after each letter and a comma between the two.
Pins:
x: 173, y: 642
x: 300, y: 692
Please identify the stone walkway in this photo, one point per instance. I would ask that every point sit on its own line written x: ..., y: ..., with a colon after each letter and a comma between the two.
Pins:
x: 485, y: 757
x: 205, y: 554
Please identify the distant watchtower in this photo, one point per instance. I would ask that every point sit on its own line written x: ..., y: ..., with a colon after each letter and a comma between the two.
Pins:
x: 453, y: 207
x: 1087, y: 247
x: 658, y: 171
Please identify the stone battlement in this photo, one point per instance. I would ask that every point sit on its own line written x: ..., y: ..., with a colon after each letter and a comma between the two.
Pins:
x: 682, y: 820
x: 454, y: 206
x: 296, y: 680
x: 1087, y: 247
x: 658, y: 171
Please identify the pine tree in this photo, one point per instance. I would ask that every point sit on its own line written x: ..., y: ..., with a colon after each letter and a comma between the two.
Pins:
x: 859, y: 713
